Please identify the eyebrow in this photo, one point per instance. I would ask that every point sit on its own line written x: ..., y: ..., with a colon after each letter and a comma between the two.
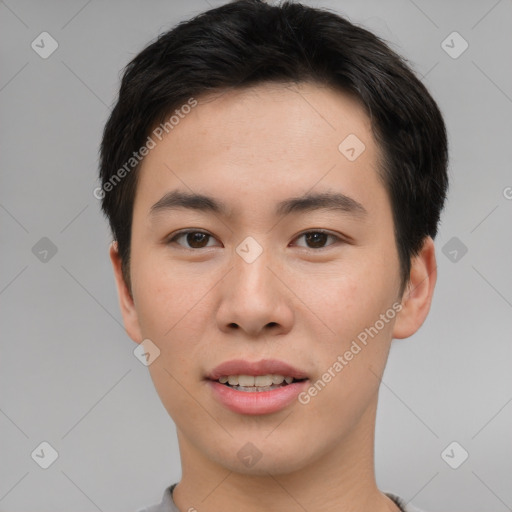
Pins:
x: 307, y: 203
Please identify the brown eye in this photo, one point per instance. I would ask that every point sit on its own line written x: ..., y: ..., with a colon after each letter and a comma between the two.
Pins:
x: 193, y: 239
x: 317, y: 239
x: 197, y: 239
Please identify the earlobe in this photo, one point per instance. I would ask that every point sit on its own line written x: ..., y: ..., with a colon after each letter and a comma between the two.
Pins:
x: 417, y: 297
x: 126, y: 303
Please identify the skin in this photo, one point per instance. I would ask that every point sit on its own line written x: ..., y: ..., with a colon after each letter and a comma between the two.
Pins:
x: 202, y: 306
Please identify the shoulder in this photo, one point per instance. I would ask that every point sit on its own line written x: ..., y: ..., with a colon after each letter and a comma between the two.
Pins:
x: 402, y: 504
x: 166, y: 505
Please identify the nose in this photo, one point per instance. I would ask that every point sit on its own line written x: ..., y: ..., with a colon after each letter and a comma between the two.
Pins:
x: 254, y: 300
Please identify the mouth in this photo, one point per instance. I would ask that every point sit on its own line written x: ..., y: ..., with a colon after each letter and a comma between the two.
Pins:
x: 263, y: 373
x: 261, y: 387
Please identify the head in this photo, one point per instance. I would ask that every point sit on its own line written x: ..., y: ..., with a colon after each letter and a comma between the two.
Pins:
x: 249, y: 105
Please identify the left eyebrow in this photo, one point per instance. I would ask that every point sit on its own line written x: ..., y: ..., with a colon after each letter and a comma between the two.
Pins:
x: 307, y: 203
x: 322, y: 201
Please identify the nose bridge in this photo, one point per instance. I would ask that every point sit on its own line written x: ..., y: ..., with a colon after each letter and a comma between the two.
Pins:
x: 252, y: 296
x: 253, y: 282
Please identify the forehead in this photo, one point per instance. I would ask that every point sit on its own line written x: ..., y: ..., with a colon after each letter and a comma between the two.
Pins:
x: 268, y: 139
x: 277, y: 118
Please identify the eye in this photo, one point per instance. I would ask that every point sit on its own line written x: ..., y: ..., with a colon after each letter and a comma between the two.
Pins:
x: 317, y: 239
x: 195, y: 239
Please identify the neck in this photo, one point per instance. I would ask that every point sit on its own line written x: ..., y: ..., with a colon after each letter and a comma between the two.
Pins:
x: 340, y: 480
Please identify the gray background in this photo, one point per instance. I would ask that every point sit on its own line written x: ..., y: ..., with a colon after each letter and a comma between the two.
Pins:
x: 68, y: 375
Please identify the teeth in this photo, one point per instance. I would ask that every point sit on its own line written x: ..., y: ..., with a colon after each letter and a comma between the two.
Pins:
x: 245, y: 380
x: 277, y: 379
x: 263, y: 380
x: 253, y: 389
x: 258, y: 381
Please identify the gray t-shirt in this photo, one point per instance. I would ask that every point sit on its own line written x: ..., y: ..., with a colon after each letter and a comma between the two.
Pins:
x: 167, y: 504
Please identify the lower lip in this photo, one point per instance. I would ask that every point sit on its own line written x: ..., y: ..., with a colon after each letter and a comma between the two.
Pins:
x: 257, y: 402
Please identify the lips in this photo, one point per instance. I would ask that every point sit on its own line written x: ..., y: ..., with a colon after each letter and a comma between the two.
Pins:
x: 262, y: 367
x: 256, y: 400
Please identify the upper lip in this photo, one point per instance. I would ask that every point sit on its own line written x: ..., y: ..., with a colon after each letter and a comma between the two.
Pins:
x: 262, y: 367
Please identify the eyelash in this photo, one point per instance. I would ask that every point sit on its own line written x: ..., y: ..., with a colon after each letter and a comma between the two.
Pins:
x: 188, y: 231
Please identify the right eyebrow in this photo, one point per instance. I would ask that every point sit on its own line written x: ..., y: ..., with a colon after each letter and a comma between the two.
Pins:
x: 177, y: 199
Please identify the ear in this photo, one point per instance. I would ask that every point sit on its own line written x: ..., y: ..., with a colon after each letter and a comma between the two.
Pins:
x: 130, y: 317
x: 418, y: 293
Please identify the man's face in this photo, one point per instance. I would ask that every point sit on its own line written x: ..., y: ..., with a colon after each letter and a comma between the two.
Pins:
x: 287, y: 293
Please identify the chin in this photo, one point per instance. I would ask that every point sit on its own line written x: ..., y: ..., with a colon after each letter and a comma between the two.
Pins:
x: 264, y: 457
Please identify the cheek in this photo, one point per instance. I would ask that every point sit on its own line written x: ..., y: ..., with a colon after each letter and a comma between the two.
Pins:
x: 171, y: 314
x: 174, y: 309
x: 350, y: 305
x: 162, y: 295
x: 350, y: 298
